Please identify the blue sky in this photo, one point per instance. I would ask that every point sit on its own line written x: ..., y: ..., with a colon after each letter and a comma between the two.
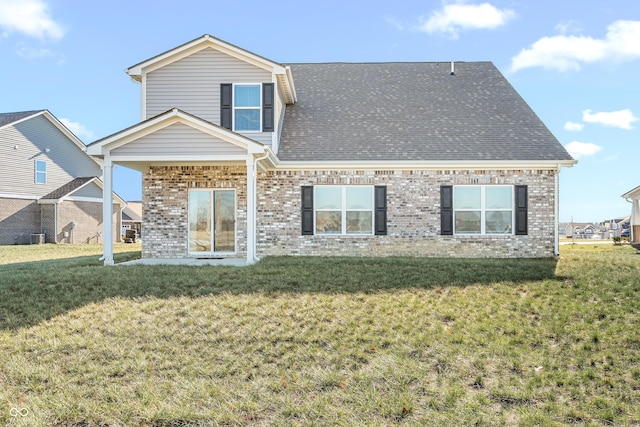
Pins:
x: 576, y: 62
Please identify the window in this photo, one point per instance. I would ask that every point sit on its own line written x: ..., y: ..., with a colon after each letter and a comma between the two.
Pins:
x: 343, y: 210
x: 246, y: 108
x: 40, y: 172
x: 483, y: 209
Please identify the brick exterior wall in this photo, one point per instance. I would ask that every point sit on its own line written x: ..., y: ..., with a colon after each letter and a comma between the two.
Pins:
x: 88, y: 223
x: 413, y: 215
x: 19, y: 218
x: 165, y: 196
x: 413, y: 212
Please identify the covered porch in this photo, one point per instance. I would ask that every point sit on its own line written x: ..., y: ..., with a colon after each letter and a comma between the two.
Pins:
x: 633, y: 197
x: 199, y: 187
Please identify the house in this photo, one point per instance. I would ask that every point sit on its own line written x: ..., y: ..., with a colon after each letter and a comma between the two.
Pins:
x: 49, y: 186
x: 132, y: 217
x: 633, y: 197
x: 246, y: 157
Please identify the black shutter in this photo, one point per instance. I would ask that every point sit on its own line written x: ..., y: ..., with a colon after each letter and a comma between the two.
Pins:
x: 226, y: 105
x: 521, y: 210
x: 380, y: 195
x: 446, y: 209
x: 307, y: 210
x: 267, y: 107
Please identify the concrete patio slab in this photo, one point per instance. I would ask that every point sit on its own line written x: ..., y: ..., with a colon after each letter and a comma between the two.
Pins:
x: 234, y: 262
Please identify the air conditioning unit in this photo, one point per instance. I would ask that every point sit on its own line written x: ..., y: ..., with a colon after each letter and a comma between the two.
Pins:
x: 37, y: 238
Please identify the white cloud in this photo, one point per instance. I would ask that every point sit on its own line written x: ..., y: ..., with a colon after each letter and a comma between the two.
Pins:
x: 29, y: 17
x: 573, y: 127
x: 30, y: 53
x: 453, y: 18
x: 78, y: 129
x: 565, y: 53
x: 580, y: 149
x: 620, y: 119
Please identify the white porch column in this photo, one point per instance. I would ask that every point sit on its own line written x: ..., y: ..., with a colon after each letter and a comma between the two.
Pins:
x: 107, y: 211
x: 251, y: 210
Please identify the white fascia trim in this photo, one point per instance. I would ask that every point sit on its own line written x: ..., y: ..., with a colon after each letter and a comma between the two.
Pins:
x: 172, y: 158
x: 165, y: 120
x: 50, y: 201
x: 18, y: 196
x: 633, y: 194
x: 198, y: 45
x: 84, y: 199
x: 423, y: 165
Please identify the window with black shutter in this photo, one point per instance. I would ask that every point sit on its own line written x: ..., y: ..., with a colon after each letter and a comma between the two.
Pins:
x: 521, y: 210
x: 446, y: 210
x: 226, y: 105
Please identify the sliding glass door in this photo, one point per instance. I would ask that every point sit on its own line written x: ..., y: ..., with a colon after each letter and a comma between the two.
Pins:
x: 212, y: 221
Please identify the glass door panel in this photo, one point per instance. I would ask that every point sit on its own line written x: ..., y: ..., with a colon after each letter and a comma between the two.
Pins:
x: 200, y: 221
x: 225, y: 221
x: 212, y: 221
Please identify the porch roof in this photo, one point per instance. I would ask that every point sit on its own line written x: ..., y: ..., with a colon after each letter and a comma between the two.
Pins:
x: 176, y: 136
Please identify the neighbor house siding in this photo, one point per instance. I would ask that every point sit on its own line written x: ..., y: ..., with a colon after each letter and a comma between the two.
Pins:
x: 178, y: 139
x: 89, y: 190
x: 193, y: 83
x: 413, y: 215
x: 32, y: 138
x: 165, y: 193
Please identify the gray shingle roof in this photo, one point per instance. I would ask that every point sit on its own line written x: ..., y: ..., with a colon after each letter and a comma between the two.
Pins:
x: 68, y: 188
x: 411, y: 111
x: 8, y: 118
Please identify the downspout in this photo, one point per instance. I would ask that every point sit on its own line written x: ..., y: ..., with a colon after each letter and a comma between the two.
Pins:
x: 55, y: 223
x: 255, y: 204
x: 556, y: 208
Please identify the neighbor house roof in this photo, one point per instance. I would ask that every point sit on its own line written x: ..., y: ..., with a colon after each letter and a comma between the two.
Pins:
x: 9, y: 118
x: 412, y: 112
x: 68, y: 188
x: 72, y: 186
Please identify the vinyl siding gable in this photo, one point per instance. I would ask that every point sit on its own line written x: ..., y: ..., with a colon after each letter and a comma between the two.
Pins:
x: 193, y: 84
x: 65, y: 160
x: 178, y: 139
x: 91, y: 190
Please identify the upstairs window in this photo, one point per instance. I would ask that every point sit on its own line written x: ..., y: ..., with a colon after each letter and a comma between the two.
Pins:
x: 246, y: 108
x: 40, y: 172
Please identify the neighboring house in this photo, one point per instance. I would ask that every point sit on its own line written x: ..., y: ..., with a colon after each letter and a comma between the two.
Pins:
x: 49, y: 190
x: 132, y: 217
x: 242, y: 156
x: 633, y: 197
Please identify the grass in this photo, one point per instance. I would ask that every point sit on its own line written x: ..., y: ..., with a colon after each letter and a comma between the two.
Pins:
x: 321, y: 341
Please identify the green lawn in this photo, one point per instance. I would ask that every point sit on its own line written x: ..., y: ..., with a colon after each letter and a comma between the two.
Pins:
x: 320, y: 341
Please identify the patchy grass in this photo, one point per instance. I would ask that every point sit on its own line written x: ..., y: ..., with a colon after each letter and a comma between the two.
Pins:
x: 323, y: 341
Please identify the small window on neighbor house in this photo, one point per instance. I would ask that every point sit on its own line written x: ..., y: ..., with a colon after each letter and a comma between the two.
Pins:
x: 246, y: 108
x: 40, y: 172
x: 483, y: 209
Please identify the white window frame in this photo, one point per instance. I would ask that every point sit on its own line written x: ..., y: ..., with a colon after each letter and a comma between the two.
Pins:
x: 344, y: 210
x: 211, y: 191
x: 37, y: 173
x: 259, y: 108
x: 483, y: 211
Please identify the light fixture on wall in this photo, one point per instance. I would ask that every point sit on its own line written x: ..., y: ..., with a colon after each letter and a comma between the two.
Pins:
x: 15, y: 147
